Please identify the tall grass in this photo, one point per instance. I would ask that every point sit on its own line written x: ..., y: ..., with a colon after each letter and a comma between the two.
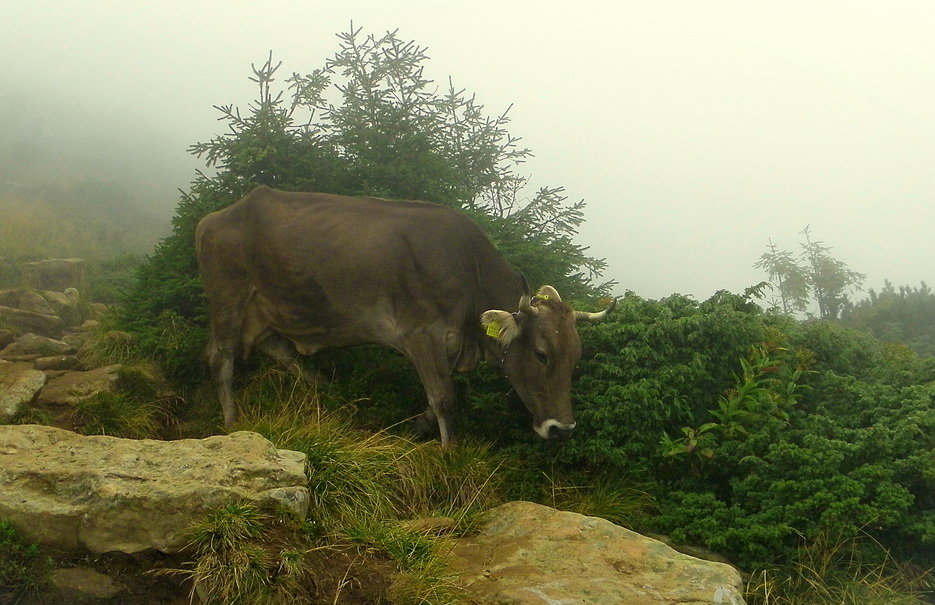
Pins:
x: 363, y: 487
x: 617, y: 499
x: 837, y: 571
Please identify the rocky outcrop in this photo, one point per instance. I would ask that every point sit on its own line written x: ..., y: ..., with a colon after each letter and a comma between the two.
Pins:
x: 45, y: 330
x: 530, y: 554
x: 74, y: 387
x: 106, y: 494
x: 56, y: 273
x: 21, y: 320
x: 31, y: 344
x: 19, y: 384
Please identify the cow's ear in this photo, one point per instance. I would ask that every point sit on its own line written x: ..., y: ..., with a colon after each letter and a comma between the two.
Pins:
x: 500, y: 325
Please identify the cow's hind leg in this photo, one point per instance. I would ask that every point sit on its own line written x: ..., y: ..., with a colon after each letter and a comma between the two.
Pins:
x: 221, y: 363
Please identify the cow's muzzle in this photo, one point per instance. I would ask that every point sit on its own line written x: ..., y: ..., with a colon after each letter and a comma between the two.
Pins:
x: 553, y: 429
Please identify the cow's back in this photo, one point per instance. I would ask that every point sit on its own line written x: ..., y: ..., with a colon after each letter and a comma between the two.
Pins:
x: 333, y: 262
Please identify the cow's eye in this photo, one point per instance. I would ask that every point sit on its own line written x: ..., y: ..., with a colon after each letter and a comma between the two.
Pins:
x: 541, y: 356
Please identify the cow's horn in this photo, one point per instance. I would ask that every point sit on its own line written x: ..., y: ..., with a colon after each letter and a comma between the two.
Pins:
x: 525, y: 306
x: 585, y: 316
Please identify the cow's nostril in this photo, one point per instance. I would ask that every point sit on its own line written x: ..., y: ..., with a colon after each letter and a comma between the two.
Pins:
x: 560, y: 432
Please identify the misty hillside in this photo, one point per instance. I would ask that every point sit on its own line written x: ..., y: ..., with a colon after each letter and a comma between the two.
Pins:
x: 83, y: 181
x: 89, y: 219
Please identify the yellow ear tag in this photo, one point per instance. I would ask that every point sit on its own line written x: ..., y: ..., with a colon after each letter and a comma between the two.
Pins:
x: 493, y: 329
x: 542, y: 296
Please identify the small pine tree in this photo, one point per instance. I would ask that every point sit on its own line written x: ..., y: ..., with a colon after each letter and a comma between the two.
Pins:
x: 391, y: 135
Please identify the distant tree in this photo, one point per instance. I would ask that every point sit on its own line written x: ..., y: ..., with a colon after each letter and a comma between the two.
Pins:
x: 788, y: 276
x: 371, y: 123
x: 814, y: 275
x: 905, y: 315
x: 829, y: 278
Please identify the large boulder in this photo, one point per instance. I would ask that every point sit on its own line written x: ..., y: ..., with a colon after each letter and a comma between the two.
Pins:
x: 531, y: 554
x: 28, y: 300
x: 56, y: 274
x: 21, y: 320
x: 35, y: 344
x: 72, y: 388
x: 19, y: 383
x: 106, y: 494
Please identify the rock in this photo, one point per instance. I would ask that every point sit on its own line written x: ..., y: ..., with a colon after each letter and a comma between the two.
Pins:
x: 82, y: 585
x: 19, y: 383
x: 30, y: 300
x: 34, y: 344
x: 57, y: 362
x: 56, y: 274
x: 99, y: 310
x: 6, y: 337
x: 530, y: 554
x: 64, y: 304
x: 73, y: 387
x: 28, y: 321
x: 106, y: 494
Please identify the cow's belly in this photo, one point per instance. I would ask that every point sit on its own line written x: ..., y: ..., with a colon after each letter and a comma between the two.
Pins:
x: 312, y: 341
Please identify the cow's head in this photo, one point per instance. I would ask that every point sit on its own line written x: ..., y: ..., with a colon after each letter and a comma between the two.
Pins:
x: 539, y: 348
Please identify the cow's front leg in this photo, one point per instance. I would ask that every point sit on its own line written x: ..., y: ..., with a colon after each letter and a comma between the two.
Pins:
x: 432, y: 366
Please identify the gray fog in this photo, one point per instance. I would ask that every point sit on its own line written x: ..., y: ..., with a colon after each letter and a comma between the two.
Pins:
x: 695, y: 131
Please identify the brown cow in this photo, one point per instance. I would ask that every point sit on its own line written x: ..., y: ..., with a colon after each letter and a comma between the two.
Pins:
x: 291, y: 273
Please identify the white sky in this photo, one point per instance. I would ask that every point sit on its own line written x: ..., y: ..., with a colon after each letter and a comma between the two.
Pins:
x: 695, y: 130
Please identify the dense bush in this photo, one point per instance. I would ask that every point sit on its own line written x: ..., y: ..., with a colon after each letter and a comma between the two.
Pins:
x: 905, y: 315
x: 759, y: 430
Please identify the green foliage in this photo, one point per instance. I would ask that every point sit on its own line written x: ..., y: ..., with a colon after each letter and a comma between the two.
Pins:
x: 423, y: 576
x: 763, y: 395
x: 362, y: 485
x: 393, y: 134
x: 904, y: 316
x: 853, y: 456
x: 608, y: 496
x: 653, y: 366
x: 118, y: 415
x: 23, y: 567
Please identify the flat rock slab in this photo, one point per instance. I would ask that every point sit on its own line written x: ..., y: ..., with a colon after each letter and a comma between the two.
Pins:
x: 19, y: 383
x: 35, y: 344
x: 28, y: 321
x: 74, y: 387
x: 531, y: 554
x: 106, y: 494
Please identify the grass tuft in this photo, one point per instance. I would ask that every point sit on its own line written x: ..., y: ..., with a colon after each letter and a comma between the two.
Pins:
x: 830, y: 571
x: 616, y: 499
x: 119, y: 415
x: 245, y: 555
x: 23, y: 568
